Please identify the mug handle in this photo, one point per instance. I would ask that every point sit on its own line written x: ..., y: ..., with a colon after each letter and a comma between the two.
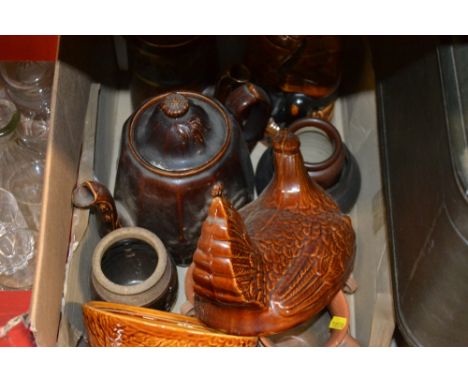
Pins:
x: 236, y: 75
x: 251, y: 107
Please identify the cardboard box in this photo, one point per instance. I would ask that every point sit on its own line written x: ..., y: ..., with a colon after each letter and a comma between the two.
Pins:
x: 88, y: 115
x: 18, y: 48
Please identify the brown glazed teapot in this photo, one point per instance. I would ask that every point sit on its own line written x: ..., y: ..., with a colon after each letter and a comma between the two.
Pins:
x: 174, y: 148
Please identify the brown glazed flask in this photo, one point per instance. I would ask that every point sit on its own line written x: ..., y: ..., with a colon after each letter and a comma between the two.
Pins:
x: 162, y: 63
x: 310, y: 65
x: 174, y: 149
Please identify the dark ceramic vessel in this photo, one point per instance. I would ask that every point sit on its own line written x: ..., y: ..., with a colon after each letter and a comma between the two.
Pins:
x: 174, y: 149
x: 288, y: 107
x: 162, y: 63
x: 277, y: 261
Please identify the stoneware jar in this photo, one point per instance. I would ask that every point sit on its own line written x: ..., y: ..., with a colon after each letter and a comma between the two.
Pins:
x: 131, y: 266
x: 174, y: 149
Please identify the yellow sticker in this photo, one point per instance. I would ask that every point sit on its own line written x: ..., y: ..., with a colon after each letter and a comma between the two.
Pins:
x: 337, y: 323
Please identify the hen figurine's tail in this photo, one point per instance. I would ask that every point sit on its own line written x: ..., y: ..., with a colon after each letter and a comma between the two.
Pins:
x: 227, y: 266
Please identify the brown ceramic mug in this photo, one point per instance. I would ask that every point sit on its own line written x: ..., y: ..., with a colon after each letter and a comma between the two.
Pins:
x: 234, y: 76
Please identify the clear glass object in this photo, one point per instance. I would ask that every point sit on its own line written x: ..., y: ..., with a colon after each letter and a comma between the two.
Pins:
x: 28, y: 85
x: 11, y: 153
x: 17, y: 244
x: 26, y: 183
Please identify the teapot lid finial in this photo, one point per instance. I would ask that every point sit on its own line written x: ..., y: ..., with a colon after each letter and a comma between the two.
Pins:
x: 175, y: 105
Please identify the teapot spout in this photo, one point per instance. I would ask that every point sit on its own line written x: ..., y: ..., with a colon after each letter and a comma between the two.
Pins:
x: 95, y: 196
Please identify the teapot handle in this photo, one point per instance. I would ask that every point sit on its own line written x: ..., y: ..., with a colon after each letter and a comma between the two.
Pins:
x: 251, y: 107
x: 96, y: 196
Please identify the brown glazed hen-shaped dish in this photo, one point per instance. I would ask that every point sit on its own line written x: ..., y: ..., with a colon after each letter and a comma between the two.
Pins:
x: 279, y: 260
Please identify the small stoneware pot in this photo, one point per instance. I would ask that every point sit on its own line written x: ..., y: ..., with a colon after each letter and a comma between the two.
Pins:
x: 131, y: 266
x: 316, y: 332
x: 122, y: 325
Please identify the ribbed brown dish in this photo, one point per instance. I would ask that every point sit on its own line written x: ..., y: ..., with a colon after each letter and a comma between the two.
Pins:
x: 111, y: 324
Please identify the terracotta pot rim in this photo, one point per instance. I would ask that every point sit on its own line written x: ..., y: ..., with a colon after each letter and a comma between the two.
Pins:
x: 129, y: 233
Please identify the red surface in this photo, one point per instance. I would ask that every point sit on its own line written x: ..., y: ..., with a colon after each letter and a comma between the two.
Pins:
x: 12, y: 304
x: 34, y: 48
x: 17, y: 335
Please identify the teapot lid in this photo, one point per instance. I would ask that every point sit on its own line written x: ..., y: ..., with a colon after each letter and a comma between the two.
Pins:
x: 179, y: 133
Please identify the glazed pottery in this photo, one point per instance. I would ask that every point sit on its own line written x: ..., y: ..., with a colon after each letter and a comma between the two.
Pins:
x: 277, y: 261
x: 122, y: 325
x: 287, y: 107
x: 234, y: 76
x: 316, y: 332
x: 310, y: 65
x: 131, y: 266
x: 162, y: 63
x: 327, y: 159
x: 96, y: 196
x: 174, y: 149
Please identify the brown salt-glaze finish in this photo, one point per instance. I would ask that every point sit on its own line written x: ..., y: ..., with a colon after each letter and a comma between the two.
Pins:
x: 279, y: 260
x: 253, y: 120
x: 123, y: 325
x: 171, y: 156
